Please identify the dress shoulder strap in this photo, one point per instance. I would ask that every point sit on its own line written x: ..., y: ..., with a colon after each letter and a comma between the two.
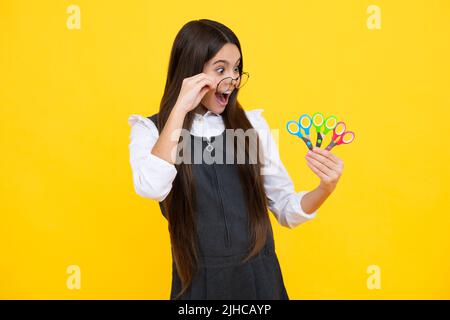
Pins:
x: 154, y: 119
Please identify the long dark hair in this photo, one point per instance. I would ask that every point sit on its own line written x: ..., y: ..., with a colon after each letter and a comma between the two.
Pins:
x: 196, y: 43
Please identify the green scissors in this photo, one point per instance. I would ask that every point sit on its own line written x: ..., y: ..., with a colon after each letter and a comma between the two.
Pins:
x: 304, y: 123
x: 319, y: 121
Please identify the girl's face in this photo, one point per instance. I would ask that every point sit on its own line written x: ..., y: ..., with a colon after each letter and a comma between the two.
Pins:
x: 224, y: 64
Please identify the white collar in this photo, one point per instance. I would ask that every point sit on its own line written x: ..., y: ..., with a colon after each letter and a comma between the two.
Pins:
x: 207, y: 114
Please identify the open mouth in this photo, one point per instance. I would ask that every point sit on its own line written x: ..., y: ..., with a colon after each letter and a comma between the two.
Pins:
x: 222, y: 98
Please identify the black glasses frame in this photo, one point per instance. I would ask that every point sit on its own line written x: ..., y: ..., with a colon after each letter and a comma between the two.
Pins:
x: 246, y: 73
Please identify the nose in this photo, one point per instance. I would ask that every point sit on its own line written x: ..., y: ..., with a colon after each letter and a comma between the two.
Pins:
x: 235, y: 82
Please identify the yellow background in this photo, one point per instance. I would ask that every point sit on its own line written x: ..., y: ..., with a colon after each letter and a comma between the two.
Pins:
x: 66, y: 188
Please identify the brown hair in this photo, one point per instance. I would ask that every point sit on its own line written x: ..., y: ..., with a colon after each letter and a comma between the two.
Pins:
x: 196, y: 43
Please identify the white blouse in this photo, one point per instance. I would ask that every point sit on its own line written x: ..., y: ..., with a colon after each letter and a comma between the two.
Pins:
x: 153, y: 176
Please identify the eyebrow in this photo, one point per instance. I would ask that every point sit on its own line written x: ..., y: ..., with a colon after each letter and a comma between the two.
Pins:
x: 225, y: 61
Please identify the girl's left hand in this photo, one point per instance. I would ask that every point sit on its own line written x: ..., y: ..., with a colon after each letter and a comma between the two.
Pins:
x: 326, y: 166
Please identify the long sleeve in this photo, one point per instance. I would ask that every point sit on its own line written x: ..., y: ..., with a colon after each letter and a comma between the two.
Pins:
x: 152, y: 176
x: 283, y: 200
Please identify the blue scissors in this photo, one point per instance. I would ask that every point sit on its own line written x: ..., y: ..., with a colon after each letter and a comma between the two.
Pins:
x: 304, y: 123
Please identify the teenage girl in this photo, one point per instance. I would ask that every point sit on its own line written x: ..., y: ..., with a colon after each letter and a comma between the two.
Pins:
x: 221, y: 237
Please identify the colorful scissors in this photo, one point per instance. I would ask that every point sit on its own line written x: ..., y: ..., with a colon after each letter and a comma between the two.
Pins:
x: 340, y: 136
x: 304, y: 123
x: 318, y: 121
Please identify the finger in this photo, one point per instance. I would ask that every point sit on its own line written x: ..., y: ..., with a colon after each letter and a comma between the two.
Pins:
x: 197, y: 78
x: 324, y: 169
x: 203, y: 91
x: 207, y: 78
x: 199, y: 75
x: 330, y: 155
x: 319, y: 173
x: 327, y: 171
x: 192, y: 79
x: 204, y: 82
x: 324, y: 160
x: 203, y: 76
x: 327, y: 154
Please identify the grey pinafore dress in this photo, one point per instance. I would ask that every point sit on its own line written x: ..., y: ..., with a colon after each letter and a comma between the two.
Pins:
x: 224, y: 238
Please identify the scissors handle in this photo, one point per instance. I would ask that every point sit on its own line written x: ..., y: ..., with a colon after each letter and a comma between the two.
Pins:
x: 319, y: 140
x: 308, y: 143
x: 296, y: 133
x: 335, y: 135
x: 306, y: 127
x: 351, y: 133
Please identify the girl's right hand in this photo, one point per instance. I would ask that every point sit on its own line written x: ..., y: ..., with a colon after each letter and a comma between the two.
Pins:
x: 193, y: 90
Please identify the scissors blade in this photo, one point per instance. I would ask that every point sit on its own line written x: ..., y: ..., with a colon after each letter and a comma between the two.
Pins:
x: 308, y: 143
x: 319, y: 140
x: 330, y: 146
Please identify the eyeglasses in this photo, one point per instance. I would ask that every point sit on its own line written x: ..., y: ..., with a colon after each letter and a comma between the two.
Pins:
x: 226, y: 83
